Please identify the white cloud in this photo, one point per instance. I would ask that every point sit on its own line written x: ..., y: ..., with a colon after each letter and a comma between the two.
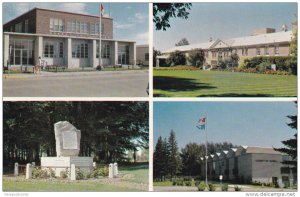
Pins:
x: 138, y: 18
x: 142, y: 38
x: 123, y: 25
x: 73, y: 7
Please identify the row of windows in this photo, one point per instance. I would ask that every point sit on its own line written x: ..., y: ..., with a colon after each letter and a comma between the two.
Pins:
x: 57, y: 25
x: 105, y: 51
x: 244, y: 52
x: 80, y: 50
x: 53, y: 49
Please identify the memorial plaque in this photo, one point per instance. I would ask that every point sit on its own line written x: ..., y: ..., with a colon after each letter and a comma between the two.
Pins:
x: 69, y: 140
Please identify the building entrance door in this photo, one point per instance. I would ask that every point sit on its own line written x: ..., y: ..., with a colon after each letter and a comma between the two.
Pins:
x: 122, y: 58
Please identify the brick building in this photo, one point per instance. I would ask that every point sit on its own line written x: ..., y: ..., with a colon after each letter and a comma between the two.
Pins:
x: 262, y: 42
x: 248, y: 164
x: 63, y: 38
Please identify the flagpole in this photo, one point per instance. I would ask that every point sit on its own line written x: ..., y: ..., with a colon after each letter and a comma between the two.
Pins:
x: 206, y: 152
x: 100, y: 26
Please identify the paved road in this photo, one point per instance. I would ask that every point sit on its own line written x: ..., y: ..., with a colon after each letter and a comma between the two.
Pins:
x: 77, y: 84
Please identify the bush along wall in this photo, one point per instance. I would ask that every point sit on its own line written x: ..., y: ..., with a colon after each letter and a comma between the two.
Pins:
x: 262, y: 64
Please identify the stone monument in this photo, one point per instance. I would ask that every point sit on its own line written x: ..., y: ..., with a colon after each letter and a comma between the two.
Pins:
x: 67, y: 139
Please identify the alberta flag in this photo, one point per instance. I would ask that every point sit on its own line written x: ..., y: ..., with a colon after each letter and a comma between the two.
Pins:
x: 202, y: 123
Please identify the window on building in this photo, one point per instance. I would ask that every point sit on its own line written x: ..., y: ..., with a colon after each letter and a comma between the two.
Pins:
x: 21, y: 52
x: 105, y: 51
x: 246, y: 51
x: 48, y: 50
x: 61, y: 49
x: 26, y: 26
x: 77, y: 27
x: 147, y: 56
x: 257, y: 51
x: 276, y: 50
x: 80, y: 50
x: 18, y: 27
x: 267, y: 50
x: 56, y: 25
x: 96, y: 28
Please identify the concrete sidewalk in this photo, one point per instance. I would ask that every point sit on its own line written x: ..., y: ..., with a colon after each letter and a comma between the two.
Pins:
x: 68, y: 74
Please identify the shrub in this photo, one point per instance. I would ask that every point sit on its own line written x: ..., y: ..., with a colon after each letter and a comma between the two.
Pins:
x: 179, y: 182
x: 188, y: 183
x: 243, y: 64
x: 179, y: 67
x: 174, y: 182
x: 237, y: 188
x: 224, y: 187
x: 280, y: 61
x: 64, y: 174
x: 262, y: 67
x: 52, y: 173
x: 196, y: 57
x: 104, y: 171
x: 79, y: 175
x: 176, y: 58
x: 39, y: 173
x: 211, y: 187
x: 200, y: 185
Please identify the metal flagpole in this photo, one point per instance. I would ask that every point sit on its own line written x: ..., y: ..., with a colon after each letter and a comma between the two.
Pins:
x: 206, y: 151
x: 100, y: 26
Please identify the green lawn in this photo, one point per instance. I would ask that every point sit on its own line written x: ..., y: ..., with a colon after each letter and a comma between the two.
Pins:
x: 130, y: 179
x: 199, y: 83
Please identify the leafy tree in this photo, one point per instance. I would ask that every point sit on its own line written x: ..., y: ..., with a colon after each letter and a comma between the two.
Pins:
x: 155, y: 54
x: 197, y: 58
x: 234, y: 59
x: 294, y: 52
x: 174, y: 157
x: 162, y: 12
x: 190, y: 156
x: 290, y: 144
x: 176, y: 58
x: 182, y: 42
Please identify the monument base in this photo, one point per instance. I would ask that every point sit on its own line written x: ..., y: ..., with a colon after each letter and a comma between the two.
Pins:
x: 58, y: 164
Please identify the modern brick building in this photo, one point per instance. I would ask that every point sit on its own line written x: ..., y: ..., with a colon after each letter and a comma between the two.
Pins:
x: 142, y: 54
x: 63, y: 38
x: 250, y: 164
x: 262, y: 42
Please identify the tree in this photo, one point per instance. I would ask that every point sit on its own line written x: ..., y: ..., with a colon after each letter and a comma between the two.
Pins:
x: 108, y: 129
x: 197, y: 58
x: 160, y: 159
x: 176, y: 58
x: 234, y: 59
x: 294, y: 52
x: 190, y: 156
x: 174, y: 157
x: 162, y: 12
x: 290, y: 144
x: 182, y: 42
x: 155, y: 54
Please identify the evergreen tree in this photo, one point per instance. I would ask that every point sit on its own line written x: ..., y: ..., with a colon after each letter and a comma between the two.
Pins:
x: 174, y: 157
x: 160, y: 159
x: 290, y: 144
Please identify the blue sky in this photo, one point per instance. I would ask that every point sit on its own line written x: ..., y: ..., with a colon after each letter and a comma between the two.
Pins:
x: 131, y: 20
x: 225, y: 20
x: 241, y: 123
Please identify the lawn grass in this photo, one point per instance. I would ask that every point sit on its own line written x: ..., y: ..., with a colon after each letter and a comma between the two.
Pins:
x: 199, y: 83
x: 60, y: 186
x: 131, y: 178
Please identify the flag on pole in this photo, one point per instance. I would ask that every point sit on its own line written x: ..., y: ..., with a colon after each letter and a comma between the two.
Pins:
x: 202, y: 123
x: 202, y: 120
x: 101, y: 10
